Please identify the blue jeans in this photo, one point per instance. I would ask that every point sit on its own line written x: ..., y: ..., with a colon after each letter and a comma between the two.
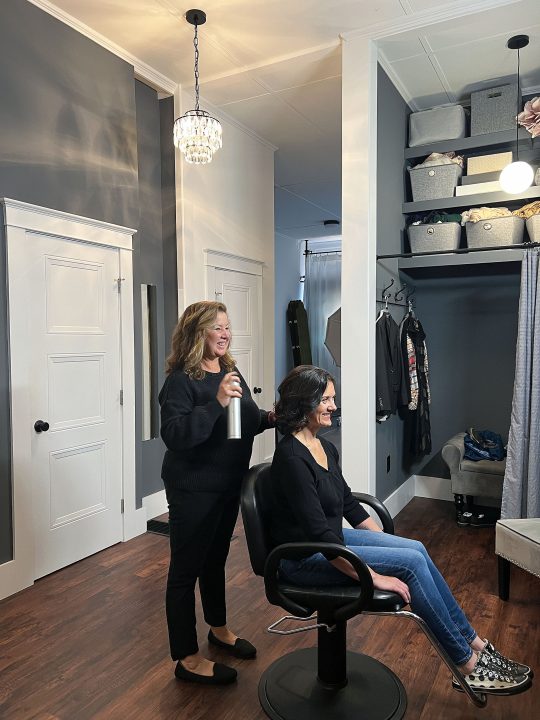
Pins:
x: 407, y: 560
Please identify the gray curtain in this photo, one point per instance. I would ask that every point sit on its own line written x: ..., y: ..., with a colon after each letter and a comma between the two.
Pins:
x: 521, y: 490
x: 322, y: 297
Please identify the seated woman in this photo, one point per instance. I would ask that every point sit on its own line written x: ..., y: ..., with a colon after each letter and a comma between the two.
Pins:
x: 310, y: 500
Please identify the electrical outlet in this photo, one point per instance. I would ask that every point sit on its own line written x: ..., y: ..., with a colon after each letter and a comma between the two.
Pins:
x: 388, y: 463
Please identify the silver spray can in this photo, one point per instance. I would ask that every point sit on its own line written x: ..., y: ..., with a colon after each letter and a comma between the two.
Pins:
x: 234, y: 420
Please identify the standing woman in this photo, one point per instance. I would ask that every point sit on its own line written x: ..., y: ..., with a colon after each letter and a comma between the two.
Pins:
x: 202, y: 472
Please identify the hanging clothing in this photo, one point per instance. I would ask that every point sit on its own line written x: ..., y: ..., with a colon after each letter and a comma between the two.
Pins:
x: 416, y: 373
x: 390, y: 387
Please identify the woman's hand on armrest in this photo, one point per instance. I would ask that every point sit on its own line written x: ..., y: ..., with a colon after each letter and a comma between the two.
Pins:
x: 390, y: 584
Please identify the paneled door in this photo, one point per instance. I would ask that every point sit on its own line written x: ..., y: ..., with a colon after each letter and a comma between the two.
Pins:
x: 241, y: 292
x: 65, y: 311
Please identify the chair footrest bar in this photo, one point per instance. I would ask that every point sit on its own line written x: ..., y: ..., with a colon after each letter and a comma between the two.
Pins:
x: 314, y: 626
x: 479, y: 699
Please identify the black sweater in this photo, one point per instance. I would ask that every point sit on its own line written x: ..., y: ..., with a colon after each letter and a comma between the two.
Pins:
x: 308, y: 502
x: 194, y: 429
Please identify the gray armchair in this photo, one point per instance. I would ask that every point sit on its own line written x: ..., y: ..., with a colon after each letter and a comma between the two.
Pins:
x: 470, y: 479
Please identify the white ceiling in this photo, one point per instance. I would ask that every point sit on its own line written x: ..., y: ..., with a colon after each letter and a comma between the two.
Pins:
x: 275, y: 66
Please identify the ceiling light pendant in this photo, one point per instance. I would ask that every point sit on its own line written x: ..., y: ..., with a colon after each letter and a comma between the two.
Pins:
x: 518, y: 176
x: 197, y: 134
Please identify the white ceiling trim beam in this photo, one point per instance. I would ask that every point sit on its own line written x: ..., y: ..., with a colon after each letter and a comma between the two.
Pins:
x: 425, y: 18
x: 142, y: 71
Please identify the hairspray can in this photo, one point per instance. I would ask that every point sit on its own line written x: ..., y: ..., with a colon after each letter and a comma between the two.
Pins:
x: 234, y: 420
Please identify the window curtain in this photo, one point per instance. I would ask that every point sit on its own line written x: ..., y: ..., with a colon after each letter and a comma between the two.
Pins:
x: 521, y: 489
x: 322, y: 297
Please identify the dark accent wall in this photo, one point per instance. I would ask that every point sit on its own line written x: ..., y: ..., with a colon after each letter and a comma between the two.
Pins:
x: 78, y: 134
x: 168, y: 206
x: 148, y: 269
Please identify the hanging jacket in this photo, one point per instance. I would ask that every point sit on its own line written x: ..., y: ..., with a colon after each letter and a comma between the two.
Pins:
x: 390, y: 388
x: 415, y: 369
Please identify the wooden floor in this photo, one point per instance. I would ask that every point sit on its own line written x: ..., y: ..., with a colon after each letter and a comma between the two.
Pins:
x: 90, y: 641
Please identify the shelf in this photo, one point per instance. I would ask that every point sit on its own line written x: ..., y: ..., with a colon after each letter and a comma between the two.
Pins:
x: 488, y: 261
x: 488, y: 141
x: 468, y: 201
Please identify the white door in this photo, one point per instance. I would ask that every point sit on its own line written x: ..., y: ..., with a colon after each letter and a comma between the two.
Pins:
x: 241, y: 293
x: 64, y: 302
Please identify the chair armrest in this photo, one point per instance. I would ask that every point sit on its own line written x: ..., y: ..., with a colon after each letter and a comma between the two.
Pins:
x: 380, y: 509
x: 453, y: 452
x: 296, y: 551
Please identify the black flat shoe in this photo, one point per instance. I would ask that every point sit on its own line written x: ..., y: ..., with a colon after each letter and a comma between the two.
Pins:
x: 223, y: 675
x: 241, y: 649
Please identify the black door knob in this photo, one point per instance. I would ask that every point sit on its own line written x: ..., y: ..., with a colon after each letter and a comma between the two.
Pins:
x: 41, y: 426
x: 257, y: 390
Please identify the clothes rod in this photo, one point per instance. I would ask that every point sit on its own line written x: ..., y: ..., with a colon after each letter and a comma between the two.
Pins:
x: 392, y: 302
x: 459, y: 251
x: 322, y: 252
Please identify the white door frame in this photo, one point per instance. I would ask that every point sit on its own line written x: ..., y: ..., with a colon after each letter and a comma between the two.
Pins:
x: 21, y: 218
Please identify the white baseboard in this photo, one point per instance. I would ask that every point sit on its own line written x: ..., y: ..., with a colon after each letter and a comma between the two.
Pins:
x: 400, y: 497
x: 155, y: 504
x: 418, y: 486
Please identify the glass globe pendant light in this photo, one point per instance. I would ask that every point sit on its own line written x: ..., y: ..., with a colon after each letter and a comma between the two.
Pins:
x: 518, y: 175
x: 196, y: 133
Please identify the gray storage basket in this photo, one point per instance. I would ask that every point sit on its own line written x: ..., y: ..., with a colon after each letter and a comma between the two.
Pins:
x: 533, y: 228
x: 496, y: 231
x: 439, y: 236
x: 494, y: 109
x: 435, y: 181
x: 429, y: 126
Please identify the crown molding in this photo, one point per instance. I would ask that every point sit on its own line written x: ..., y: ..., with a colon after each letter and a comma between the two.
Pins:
x: 396, y: 80
x: 377, y: 31
x: 142, y: 71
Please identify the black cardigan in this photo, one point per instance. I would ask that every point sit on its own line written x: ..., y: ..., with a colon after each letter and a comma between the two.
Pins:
x: 308, y: 502
x: 194, y: 429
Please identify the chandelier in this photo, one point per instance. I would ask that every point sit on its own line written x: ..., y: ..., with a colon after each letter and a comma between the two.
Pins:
x: 197, y: 134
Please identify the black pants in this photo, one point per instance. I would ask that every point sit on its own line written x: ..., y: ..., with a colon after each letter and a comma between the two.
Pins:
x: 201, y: 526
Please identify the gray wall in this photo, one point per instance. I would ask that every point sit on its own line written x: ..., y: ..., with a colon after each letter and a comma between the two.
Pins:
x: 287, y: 288
x: 471, y: 329
x: 392, y: 124
x: 69, y: 122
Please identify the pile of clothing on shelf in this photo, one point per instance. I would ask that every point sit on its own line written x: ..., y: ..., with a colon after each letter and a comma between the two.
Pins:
x: 488, y: 213
x: 446, y: 158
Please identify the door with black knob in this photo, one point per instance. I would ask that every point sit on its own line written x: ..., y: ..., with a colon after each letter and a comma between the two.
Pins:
x: 65, y: 334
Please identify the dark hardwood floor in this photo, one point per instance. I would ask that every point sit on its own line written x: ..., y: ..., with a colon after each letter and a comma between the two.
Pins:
x: 90, y: 641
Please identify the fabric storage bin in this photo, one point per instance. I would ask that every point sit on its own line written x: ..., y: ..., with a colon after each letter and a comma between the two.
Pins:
x: 533, y: 228
x: 494, y: 109
x: 440, y: 236
x: 443, y: 123
x: 496, y: 231
x: 434, y: 181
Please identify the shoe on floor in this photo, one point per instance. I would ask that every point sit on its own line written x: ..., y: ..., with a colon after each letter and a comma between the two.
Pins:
x: 488, y: 678
x: 506, y: 665
x: 242, y: 649
x: 223, y: 675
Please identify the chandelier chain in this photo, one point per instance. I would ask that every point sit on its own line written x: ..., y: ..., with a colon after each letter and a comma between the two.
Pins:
x: 196, y: 69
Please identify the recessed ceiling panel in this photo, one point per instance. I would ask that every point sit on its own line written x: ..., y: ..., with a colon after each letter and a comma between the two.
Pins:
x: 233, y: 88
x: 421, y: 81
x: 325, y: 193
x: 318, y: 101
x: 301, y: 70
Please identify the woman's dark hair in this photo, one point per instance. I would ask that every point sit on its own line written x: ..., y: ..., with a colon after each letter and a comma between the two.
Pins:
x: 299, y: 394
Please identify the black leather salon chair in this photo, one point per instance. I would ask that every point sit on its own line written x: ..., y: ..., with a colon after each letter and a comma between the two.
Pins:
x: 326, y: 682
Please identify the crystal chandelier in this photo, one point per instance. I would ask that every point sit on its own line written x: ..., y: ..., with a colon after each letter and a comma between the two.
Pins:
x: 197, y: 134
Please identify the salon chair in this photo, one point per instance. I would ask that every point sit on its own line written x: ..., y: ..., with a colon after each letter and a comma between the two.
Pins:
x: 326, y: 682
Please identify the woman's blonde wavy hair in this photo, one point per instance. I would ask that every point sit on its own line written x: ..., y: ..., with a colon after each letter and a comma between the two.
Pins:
x: 189, y: 338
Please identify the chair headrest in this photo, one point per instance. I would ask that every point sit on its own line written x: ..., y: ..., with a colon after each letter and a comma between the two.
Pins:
x: 256, y: 507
